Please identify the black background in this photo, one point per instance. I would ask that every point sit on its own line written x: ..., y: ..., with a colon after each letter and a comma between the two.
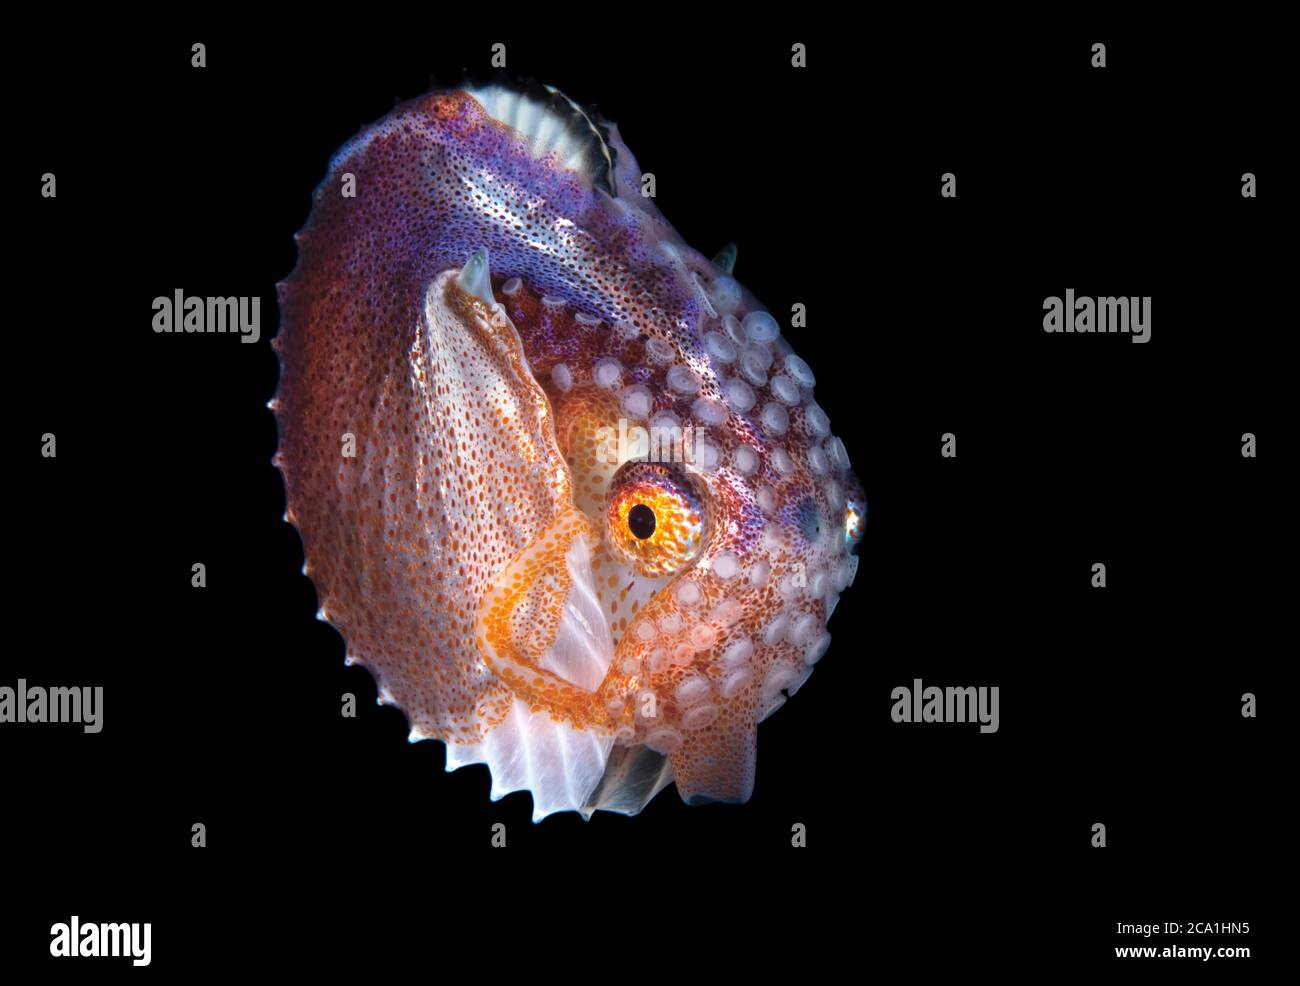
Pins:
x: 1119, y: 705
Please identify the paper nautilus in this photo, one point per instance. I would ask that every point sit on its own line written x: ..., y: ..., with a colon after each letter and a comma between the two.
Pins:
x: 561, y: 484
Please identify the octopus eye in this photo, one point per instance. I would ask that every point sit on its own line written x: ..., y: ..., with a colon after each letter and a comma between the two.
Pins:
x: 641, y: 521
x: 656, y: 518
x: 855, y: 519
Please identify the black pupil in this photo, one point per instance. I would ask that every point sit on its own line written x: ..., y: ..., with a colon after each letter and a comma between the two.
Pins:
x: 641, y: 521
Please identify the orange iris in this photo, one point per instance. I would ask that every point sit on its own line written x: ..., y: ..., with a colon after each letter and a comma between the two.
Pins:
x: 671, y: 537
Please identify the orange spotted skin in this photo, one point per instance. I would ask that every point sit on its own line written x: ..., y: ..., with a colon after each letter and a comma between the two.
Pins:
x: 400, y: 531
x: 459, y: 467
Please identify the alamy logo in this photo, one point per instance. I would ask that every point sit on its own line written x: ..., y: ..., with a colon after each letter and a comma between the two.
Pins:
x: 101, y: 941
x: 182, y: 314
x: 36, y: 704
x: 934, y: 704
x: 659, y: 443
x: 1127, y: 315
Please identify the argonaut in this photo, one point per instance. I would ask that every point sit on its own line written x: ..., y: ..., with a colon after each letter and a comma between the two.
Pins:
x: 594, y: 523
